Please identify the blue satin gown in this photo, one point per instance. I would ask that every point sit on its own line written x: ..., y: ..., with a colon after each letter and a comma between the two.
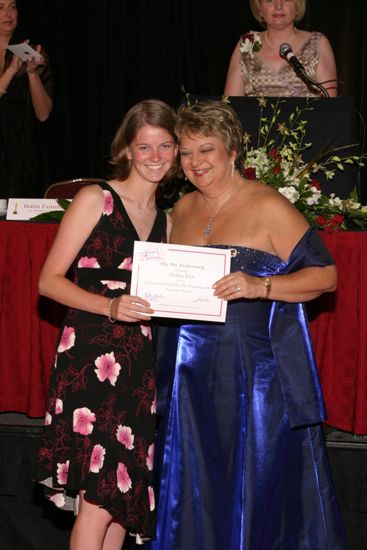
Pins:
x: 240, y: 460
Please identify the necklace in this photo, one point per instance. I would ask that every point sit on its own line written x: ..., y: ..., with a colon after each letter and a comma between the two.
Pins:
x: 209, y: 226
x: 272, y: 46
x: 141, y: 208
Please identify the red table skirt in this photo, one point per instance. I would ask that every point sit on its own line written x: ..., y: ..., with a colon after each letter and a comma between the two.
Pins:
x: 339, y: 332
x: 29, y: 325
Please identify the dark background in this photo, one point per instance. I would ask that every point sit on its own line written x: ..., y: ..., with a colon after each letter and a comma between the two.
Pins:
x: 108, y: 54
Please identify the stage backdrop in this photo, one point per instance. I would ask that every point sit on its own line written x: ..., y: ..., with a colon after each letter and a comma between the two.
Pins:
x: 109, y: 54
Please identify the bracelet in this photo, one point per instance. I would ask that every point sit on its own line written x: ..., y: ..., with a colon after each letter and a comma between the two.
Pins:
x: 2, y: 91
x: 267, y: 284
x: 111, y: 320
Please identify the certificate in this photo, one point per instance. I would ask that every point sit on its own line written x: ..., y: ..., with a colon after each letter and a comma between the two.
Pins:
x: 177, y: 279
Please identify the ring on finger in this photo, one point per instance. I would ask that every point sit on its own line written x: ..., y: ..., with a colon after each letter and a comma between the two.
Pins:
x: 237, y: 288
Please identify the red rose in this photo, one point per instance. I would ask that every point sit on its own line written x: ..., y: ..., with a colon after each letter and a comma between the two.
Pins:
x: 337, y: 219
x: 277, y: 168
x: 273, y: 152
x: 315, y: 183
x: 335, y: 222
x: 320, y: 220
x: 250, y: 173
x: 249, y: 36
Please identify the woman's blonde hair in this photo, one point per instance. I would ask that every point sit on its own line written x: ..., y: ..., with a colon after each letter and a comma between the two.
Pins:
x: 212, y: 118
x: 256, y: 9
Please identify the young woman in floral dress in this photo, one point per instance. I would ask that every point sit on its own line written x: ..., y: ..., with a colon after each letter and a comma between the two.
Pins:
x: 99, y: 428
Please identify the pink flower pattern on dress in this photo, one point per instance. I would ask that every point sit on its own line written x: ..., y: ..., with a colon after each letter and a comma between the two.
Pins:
x: 67, y: 339
x: 107, y: 368
x: 151, y: 499
x: 58, y: 499
x: 126, y: 264
x: 125, y: 436
x: 83, y: 419
x: 108, y: 203
x: 146, y: 331
x: 150, y: 458
x: 123, y: 478
x: 153, y: 408
x: 97, y: 458
x: 114, y: 285
x: 85, y: 261
x: 62, y: 472
x: 58, y: 406
x: 48, y: 419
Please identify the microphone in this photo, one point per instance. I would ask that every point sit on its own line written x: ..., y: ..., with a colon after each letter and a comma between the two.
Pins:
x: 286, y: 52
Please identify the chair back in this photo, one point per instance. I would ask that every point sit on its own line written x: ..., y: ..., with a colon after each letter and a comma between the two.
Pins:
x: 68, y: 189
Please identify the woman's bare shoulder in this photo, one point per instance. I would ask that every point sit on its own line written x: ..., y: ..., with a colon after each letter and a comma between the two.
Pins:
x: 270, y: 206
x: 90, y: 193
x: 88, y: 201
x: 258, y: 190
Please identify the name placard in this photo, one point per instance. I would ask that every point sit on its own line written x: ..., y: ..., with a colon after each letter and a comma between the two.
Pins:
x: 26, y: 209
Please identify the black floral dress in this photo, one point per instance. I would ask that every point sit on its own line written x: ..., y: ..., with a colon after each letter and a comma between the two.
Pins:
x: 100, y: 418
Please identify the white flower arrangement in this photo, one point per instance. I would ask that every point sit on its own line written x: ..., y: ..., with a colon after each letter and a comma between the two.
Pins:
x: 278, y: 161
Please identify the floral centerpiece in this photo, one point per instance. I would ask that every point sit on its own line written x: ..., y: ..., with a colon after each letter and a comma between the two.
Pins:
x: 250, y: 43
x: 277, y: 161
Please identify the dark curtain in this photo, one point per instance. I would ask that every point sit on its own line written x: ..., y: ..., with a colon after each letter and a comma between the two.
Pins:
x: 108, y: 54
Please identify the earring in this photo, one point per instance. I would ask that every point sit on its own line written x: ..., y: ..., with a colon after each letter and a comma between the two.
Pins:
x: 232, y: 169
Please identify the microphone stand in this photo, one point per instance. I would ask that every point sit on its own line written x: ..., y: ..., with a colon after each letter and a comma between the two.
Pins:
x: 310, y: 81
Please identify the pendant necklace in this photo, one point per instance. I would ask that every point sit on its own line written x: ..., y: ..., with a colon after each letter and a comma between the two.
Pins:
x: 209, y: 226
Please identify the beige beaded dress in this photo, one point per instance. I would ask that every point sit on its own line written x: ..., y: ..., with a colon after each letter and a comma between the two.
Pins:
x: 262, y: 80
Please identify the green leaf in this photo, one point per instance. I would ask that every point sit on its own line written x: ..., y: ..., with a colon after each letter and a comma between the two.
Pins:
x: 64, y: 203
x: 354, y: 194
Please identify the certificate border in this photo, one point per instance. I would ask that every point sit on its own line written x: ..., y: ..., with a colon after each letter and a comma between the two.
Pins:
x: 194, y: 316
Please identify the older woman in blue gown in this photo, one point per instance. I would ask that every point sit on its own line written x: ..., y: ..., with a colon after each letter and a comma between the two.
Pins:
x: 241, y: 461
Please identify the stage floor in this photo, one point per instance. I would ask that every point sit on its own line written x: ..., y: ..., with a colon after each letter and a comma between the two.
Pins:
x: 28, y: 522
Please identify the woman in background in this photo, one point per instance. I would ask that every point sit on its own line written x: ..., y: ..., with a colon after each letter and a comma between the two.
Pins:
x: 98, y: 437
x: 241, y: 459
x: 25, y: 100
x: 257, y: 68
